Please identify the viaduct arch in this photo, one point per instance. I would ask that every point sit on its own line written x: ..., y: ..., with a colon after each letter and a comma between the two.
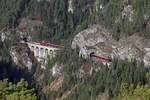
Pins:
x: 43, y: 49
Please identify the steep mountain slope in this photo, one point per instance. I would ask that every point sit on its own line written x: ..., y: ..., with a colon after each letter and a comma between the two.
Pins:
x: 97, y: 39
x: 122, y: 18
x: 116, y: 29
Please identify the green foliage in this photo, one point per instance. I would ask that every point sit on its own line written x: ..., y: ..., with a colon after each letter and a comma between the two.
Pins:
x: 58, y: 22
x: 111, y: 17
x: 60, y: 25
x: 83, y: 92
x: 19, y: 91
x: 105, y: 79
x: 9, y: 13
x: 129, y: 92
x: 63, y: 24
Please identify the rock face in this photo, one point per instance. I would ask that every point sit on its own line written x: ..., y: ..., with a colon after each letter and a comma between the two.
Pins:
x: 22, y: 56
x: 128, y: 13
x: 28, y: 27
x: 98, y: 40
x: 91, y: 36
x: 29, y: 24
x: 70, y: 6
x: 3, y: 37
x: 57, y: 70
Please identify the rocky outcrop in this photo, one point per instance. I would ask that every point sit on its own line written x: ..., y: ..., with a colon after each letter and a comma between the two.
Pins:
x: 97, y: 39
x: 70, y: 6
x: 22, y: 56
x: 91, y: 36
x: 3, y: 37
x: 128, y: 13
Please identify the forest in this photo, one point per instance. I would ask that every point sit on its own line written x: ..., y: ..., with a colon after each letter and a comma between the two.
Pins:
x: 60, y: 25
x: 114, y: 82
x: 123, y: 80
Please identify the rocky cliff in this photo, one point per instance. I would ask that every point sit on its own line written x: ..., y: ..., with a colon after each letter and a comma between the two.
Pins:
x: 100, y: 40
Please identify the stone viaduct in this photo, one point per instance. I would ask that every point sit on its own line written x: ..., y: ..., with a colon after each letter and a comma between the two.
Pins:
x: 43, y: 49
